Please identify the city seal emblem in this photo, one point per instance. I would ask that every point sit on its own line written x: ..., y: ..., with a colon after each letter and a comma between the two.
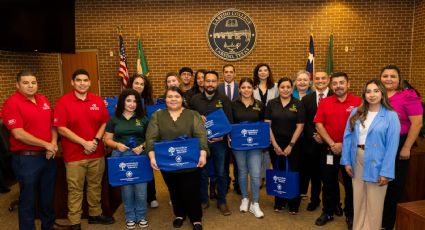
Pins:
x: 231, y: 35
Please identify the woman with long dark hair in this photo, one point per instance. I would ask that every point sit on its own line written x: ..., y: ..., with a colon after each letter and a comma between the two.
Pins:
x: 264, y: 90
x: 125, y: 133
x: 143, y: 86
x: 407, y: 103
x: 368, y: 153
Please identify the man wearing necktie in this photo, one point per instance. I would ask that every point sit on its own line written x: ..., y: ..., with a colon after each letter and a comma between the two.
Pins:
x: 230, y: 88
x: 313, y: 146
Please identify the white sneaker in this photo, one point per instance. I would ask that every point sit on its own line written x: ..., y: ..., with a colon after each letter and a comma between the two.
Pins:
x: 154, y: 204
x: 130, y: 225
x: 244, y: 205
x: 254, y: 208
x: 143, y: 223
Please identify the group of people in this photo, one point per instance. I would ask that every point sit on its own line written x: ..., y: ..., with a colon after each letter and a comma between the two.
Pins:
x: 319, y: 126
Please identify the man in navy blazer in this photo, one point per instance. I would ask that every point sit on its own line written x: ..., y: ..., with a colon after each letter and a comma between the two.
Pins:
x: 229, y: 87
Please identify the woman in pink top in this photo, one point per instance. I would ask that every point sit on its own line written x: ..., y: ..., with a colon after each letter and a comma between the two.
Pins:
x: 407, y: 103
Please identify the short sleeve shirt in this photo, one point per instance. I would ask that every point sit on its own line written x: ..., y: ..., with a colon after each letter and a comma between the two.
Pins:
x: 254, y: 112
x: 333, y: 114
x: 406, y: 103
x: 124, y: 130
x: 84, y: 118
x: 284, y: 120
x: 34, y: 118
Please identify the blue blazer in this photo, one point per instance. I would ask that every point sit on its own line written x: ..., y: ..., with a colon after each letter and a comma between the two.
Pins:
x: 235, y: 95
x: 380, y: 147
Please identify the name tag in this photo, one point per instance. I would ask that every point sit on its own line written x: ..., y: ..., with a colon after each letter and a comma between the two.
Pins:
x: 329, y: 159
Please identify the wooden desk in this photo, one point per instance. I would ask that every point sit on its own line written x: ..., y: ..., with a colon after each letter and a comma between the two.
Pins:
x: 111, y: 196
x: 411, y: 216
x: 415, y: 181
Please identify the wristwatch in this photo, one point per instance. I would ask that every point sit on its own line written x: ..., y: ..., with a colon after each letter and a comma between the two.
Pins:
x: 291, y: 144
x: 97, y: 140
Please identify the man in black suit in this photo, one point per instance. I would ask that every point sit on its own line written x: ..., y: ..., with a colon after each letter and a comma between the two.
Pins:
x: 313, y: 146
x: 230, y: 88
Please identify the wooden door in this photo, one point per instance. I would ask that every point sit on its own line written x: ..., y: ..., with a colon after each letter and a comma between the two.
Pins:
x: 80, y: 60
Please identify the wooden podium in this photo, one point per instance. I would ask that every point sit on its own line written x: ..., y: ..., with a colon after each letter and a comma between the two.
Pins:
x: 411, y: 215
x: 415, y: 181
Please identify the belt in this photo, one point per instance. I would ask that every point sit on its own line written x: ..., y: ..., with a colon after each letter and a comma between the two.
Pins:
x: 360, y: 147
x: 31, y: 152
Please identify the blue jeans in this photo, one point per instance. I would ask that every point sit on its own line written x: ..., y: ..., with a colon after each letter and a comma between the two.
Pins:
x: 133, y: 195
x: 249, y: 161
x: 217, y: 154
x: 36, y: 175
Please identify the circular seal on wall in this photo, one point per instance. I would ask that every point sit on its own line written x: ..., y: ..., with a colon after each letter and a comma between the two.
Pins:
x: 231, y: 35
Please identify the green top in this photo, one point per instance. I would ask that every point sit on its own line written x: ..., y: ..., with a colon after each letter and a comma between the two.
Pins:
x: 162, y: 127
x: 124, y: 129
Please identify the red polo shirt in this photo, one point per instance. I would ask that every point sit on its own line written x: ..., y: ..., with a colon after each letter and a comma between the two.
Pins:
x: 333, y: 114
x: 84, y: 118
x: 34, y: 118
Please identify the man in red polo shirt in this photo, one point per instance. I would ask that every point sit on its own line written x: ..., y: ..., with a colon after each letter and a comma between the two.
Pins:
x: 81, y: 117
x: 331, y: 118
x: 33, y: 140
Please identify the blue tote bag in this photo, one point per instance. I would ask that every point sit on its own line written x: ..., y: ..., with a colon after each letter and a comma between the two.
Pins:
x: 129, y: 170
x: 281, y: 183
x: 111, y: 105
x: 250, y: 135
x: 181, y: 153
x: 217, y: 124
x: 150, y: 109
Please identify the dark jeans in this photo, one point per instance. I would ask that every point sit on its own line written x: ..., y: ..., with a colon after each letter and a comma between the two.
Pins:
x: 231, y: 157
x: 185, y: 193
x: 151, y: 191
x: 217, y: 153
x: 395, y: 189
x: 294, y: 203
x: 310, y: 156
x: 330, y: 193
x: 37, y: 177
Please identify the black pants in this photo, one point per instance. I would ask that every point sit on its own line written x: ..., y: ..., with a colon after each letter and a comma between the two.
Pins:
x: 278, y: 162
x: 395, y: 189
x: 185, y: 193
x: 151, y: 191
x: 330, y: 191
x: 231, y: 157
x: 310, y: 155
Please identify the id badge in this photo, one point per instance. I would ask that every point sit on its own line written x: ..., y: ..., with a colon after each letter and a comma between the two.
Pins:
x: 329, y: 159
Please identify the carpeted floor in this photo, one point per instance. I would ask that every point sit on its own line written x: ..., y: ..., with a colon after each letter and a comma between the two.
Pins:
x: 161, y: 218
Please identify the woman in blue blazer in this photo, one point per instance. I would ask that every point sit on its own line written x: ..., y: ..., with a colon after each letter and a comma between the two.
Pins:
x: 369, y: 148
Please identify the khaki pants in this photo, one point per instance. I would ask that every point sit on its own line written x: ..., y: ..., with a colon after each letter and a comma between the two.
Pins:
x: 77, y: 173
x: 368, y: 199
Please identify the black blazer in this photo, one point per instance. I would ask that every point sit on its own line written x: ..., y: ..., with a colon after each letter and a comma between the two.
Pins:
x: 310, y: 107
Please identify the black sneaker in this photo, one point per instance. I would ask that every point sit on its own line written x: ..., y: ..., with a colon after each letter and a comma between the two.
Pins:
x: 323, y: 219
x: 197, y: 226
x: 178, y: 222
x: 101, y: 219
